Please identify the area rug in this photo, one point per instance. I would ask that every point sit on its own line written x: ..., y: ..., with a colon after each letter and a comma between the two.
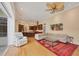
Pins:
x: 60, y: 49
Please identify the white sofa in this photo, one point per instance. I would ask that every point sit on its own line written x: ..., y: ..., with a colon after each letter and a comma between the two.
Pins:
x: 20, y: 39
x: 39, y: 36
x: 54, y: 37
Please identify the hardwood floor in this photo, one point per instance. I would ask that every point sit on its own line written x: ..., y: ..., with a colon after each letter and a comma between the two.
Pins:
x: 32, y: 48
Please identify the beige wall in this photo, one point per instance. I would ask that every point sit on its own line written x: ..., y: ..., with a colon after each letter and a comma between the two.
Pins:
x: 70, y: 20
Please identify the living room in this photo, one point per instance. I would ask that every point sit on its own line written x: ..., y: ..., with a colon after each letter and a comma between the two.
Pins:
x: 66, y: 17
x: 42, y: 29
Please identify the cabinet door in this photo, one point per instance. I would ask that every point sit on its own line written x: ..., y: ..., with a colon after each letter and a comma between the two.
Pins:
x: 20, y: 28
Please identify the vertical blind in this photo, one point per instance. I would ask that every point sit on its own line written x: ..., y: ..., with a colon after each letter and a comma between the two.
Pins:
x: 3, y: 26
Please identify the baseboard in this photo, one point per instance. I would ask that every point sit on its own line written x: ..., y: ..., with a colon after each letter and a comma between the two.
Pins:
x: 5, y: 51
x: 4, y: 54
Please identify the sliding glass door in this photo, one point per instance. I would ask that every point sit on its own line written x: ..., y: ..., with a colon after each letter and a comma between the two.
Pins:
x: 3, y: 33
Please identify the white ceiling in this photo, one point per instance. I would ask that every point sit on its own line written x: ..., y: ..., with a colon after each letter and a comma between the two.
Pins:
x: 36, y: 10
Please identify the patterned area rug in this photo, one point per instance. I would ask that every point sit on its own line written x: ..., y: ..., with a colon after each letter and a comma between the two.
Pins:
x: 59, y: 48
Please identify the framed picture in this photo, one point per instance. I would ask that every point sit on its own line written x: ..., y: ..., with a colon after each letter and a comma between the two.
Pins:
x: 57, y: 27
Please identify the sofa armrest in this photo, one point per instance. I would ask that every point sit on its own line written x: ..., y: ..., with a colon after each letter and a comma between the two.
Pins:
x: 39, y: 36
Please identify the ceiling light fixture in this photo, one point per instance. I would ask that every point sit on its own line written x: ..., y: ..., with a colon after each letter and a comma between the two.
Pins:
x: 21, y: 8
x: 55, y: 7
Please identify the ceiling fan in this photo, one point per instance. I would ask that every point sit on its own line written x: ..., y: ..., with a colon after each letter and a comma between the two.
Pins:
x: 55, y: 7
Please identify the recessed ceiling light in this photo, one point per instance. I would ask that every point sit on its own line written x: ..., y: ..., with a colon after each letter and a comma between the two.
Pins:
x: 21, y: 8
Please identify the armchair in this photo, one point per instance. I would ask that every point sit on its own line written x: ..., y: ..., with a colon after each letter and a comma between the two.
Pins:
x: 20, y: 39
